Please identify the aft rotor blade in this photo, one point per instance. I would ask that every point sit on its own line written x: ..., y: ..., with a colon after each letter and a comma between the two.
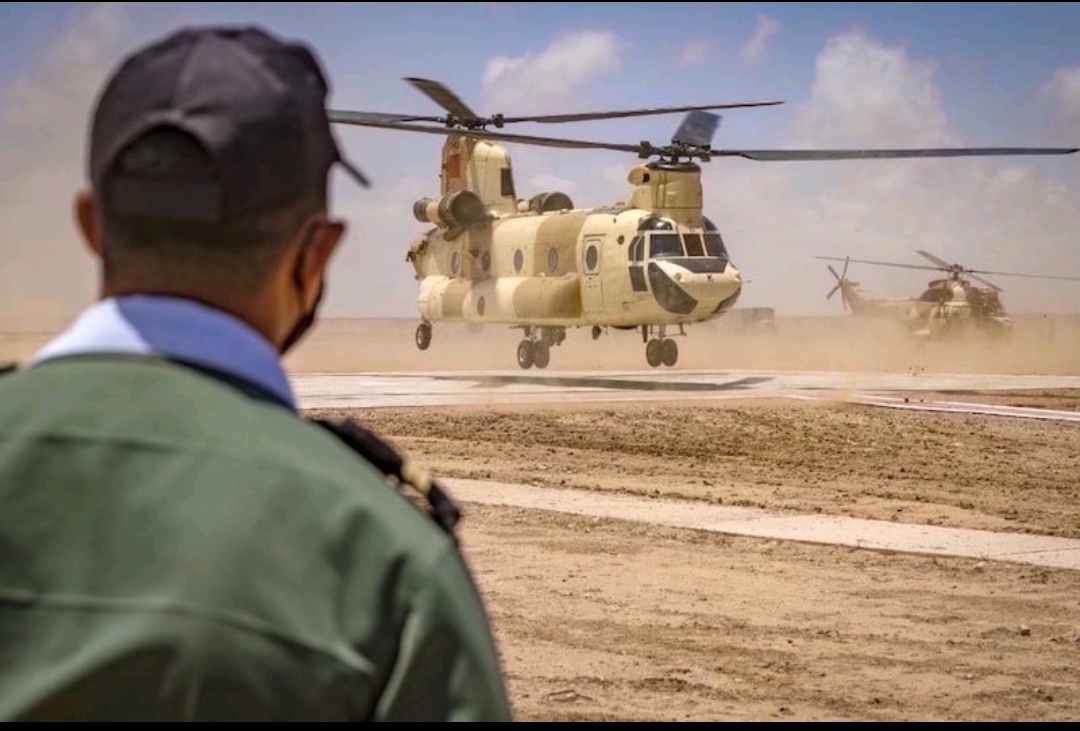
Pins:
x: 348, y: 118
x: 445, y: 98
x: 808, y: 155
x: 589, y: 116
x: 880, y: 263
x: 833, y: 272
x: 832, y: 291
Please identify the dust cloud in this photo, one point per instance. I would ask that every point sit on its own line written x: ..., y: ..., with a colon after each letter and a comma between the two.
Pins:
x: 1038, y: 346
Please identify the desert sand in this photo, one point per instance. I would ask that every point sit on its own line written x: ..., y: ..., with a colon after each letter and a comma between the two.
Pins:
x: 608, y: 620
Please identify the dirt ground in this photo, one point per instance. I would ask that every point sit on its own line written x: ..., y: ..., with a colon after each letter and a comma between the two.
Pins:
x: 608, y: 620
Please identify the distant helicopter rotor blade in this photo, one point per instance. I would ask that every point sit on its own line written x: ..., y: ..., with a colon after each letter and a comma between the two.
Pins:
x: 589, y: 116
x: 838, y: 277
x: 937, y: 260
x: 445, y: 98
x: 832, y: 291
x: 972, y: 272
x: 991, y: 285
x: 807, y: 155
x: 847, y: 260
x: 880, y: 263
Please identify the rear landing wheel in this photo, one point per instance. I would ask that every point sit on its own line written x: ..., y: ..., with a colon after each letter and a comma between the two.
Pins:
x: 525, y: 354
x: 423, y: 335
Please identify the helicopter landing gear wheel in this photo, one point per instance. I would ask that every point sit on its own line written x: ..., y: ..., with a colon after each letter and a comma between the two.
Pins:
x: 526, y: 354
x: 654, y: 353
x: 669, y: 352
x: 541, y: 353
x: 423, y: 335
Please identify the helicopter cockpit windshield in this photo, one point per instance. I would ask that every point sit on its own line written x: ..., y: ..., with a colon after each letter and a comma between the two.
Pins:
x: 665, y: 241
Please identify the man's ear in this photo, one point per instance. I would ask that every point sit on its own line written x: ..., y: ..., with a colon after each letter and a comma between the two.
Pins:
x: 87, y: 220
x: 316, y: 256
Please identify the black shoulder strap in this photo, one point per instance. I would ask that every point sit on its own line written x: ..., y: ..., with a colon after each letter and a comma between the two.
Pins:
x: 395, y: 465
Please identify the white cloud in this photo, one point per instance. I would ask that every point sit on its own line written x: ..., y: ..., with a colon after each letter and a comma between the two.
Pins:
x: 539, y: 82
x: 695, y: 52
x: 992, y: 213
x: 1063, y: 88
x: 765, y: 28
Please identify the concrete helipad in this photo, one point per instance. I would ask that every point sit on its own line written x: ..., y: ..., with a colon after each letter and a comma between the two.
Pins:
x: 876, y: 535
x: 368, y: 390
x: 371, y: 390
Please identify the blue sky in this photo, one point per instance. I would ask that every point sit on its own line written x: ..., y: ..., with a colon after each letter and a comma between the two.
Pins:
x: 851, y: 74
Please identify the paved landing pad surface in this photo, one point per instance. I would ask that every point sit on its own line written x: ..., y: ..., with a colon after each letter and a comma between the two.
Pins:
x: 372, y: 390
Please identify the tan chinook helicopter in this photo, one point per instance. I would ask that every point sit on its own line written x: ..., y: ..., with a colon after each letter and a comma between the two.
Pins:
x: 654, y: 263
x: 948, y: 308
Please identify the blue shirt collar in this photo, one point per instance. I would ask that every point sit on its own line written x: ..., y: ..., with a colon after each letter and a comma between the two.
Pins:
x: 174, y: 328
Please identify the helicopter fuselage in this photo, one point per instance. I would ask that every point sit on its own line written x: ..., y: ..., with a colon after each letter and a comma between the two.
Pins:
x: 617, y: 267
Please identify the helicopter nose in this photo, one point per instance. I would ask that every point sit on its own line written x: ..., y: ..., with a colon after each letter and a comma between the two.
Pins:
x: 709, y: 282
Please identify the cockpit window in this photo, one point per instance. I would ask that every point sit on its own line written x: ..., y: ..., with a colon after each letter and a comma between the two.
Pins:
x: 709, y: 225
x: 665, y: 246
x: 637, y: 248
x: 714, y: 245
x: 653, y: 223
x: 694, y: 246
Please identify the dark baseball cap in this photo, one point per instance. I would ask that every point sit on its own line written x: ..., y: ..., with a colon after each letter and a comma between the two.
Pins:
x: 256, y: 106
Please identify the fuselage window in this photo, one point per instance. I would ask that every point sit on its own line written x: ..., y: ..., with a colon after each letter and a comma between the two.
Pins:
x: 592, y: 257
x: 553, y: 259
x: 714, y: 245
x: 519, y: 261
x: 665, y: 246
x: 507, y: 179
x: 694, y: 246
x: 652, y: 223
x: 455, y: 263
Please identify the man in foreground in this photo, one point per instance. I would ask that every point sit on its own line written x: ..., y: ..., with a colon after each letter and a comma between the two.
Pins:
x: 176, y: 543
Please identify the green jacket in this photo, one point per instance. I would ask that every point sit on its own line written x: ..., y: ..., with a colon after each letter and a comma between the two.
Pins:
x: 174, y: 549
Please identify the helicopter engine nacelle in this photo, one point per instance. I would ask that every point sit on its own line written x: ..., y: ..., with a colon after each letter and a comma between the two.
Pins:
x: 454, y: 210
x: 547, y: 202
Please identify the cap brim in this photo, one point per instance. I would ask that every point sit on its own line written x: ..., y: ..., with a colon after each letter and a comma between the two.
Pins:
x: 353, y: 171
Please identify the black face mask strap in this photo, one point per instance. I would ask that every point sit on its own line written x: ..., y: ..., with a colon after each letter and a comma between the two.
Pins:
x: 308, y: 319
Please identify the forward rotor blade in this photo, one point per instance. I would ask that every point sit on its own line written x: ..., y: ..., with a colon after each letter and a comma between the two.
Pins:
x: 880, y: 263
x: 380, y: 117
x: 806, y: 155
x: 365, y: 121
x: 832, y: 291
x: 445, y: 98
x: 589, y: 116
